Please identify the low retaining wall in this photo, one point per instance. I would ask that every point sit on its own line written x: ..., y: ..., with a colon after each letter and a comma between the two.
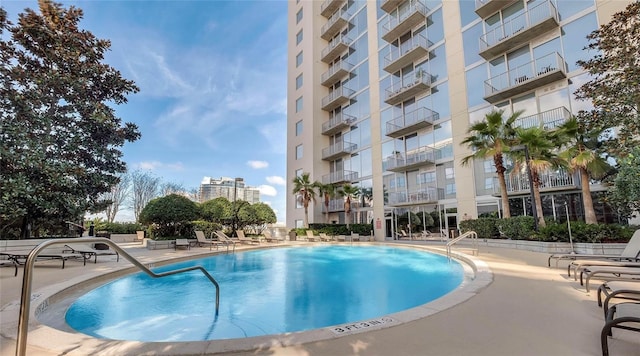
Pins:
x: 552, y: 247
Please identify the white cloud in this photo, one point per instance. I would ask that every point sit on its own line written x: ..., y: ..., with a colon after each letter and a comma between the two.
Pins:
x: 277, y: 180
x: 267, y: 190
x: 258, y: 164
x: 155, y: 165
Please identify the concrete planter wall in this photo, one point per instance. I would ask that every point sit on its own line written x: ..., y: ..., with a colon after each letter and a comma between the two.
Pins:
x: 552, y: 247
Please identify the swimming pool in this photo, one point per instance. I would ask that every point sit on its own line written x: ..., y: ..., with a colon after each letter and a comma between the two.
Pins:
x: 264, y: 292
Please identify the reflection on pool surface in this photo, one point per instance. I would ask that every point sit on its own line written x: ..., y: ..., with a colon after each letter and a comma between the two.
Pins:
x: 263, y: 292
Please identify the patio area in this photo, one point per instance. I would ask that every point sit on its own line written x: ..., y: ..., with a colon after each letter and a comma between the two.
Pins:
x: 528, y: 309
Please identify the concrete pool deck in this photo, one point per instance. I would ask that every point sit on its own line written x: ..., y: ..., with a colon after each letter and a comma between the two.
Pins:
x: 527, y: 309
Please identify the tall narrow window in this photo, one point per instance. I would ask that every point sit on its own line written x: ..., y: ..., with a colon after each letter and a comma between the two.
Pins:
x: 299, y: 81
x: 299, y: 37
x: 299, y: 59
x: 299, y: 152
x: 299, y: 104
x: 299, y: 16
x: 299, y: 128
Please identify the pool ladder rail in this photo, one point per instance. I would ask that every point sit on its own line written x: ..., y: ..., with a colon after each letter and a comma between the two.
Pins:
x: 469, y: 234
x: 27, y: 279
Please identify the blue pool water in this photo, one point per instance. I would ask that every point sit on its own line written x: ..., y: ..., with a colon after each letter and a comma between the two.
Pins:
x: 265, y: 292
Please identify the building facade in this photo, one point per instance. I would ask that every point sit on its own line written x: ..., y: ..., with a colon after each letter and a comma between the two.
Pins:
x: 381, y: 94
x: 230, y: 188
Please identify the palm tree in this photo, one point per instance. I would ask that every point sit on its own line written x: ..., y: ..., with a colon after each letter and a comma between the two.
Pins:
x: 303, y: 188
x: 492, y: 138
x: 349, y: 192
x: 580, y: 156
x: 327, y: 191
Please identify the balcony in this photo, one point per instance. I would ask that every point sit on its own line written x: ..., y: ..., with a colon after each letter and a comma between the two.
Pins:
x: 335, y: 23
x: 404, y: 21
x: 548, y: 120
x: 337, y: 98
x: 411, y: 160
x: 337, y: 123
x: 339, y: 177
x: 336, y: 205
x: 518, y: 184
x: 337, y: 150
x: 336, y: 47
x: 411, y: 122
x: 519, y: 30
x: 390, y: 5
x: 336, y: 72
x: 417, y: 47
x: 329, y: 7
x: 421, y: 196
x: 408, y: 88
x: 539, y: 72
x: 485, y: 8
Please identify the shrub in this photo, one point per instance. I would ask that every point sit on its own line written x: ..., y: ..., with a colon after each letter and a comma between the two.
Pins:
x: 486, y: 228
x: 118, y: 228
x: 517, y: 228
x: 206, y: 226
x: 339, y: 229
x: 170, y: 216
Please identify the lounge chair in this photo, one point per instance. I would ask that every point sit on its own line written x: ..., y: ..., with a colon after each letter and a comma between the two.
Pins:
x: 623, y: 316
x: 88, y: 251
x: 619, y: 290
x: 325, y: 237
x: 402, y: 234
x: 341, y: 238
x: 201, y: 240
x: 222, y: 237
x: 140, y: 236
x: 10, y: 263
x: 269, y: 238
x: 609, y: 273
x: 311, y: 237
x: 242, y: 238
x: 355, y: 237
x: 182, y: 243
x: 20, y: 256
x: 579, y: 265
x: 630, y: 253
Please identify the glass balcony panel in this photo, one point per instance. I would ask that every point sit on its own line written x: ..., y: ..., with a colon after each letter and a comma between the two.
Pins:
x: 338, y: 123
x: 336, y: 72
x: 337, y: 150
x: 338, y: 177
x: 411, y: 122
x: 548, y: 120
x: 485, y: 8
x: 421, y: 196
x: 336, y: 98
x: 411, y: 87
x: 390, y: 5
x: 541, y: 71
x: 519, y: 30
x: 404, y: 21
x: 336, y: 22
x: 329, y: 7
x: 408, y: 52
x: 550, y: 181
x: 422, y: 156
x: 336, y: 47
x: 336, y: 205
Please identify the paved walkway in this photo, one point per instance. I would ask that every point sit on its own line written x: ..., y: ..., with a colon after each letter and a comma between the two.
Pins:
x: 528, y: 309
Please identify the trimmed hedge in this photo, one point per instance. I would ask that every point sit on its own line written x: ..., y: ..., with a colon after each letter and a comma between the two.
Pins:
x: 118, y: 228
x: 337, y: 229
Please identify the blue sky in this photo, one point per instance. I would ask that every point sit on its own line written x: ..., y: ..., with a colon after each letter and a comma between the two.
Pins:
x: 212, y: 79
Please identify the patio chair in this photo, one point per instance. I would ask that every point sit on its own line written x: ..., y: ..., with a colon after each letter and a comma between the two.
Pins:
x: 242, y: 238
x: 311, y: 237
x: 10, y: 263
x: 609, y: 273
x: 617, y: 290
x: 401, y: 234
x: 325, y: 237
x: 20, y: 256
x: 201, y: 240
x: 88, y: 251
x: 579, y: 265
x: 269, y: 238
x: 222, y: 237
x: 630, y: 253
x: 140, y: 236
x: 180, y: 243
x: 355, y: 237
x: 623, y: 316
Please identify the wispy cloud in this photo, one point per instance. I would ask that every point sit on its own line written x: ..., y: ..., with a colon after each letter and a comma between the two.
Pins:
x: 155, y: 165
x: 277, y: 180
x: 258, y: 164
x: 267, y: 190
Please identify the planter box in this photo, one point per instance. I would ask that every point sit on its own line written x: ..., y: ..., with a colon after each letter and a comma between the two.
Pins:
x: 552, y: 247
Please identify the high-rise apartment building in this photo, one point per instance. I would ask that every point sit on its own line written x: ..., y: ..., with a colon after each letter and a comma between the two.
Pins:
x: 230, y: 188
x: 381, y: 94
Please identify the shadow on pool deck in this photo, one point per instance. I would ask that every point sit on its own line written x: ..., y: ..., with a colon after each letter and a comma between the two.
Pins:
x: 528, y: 309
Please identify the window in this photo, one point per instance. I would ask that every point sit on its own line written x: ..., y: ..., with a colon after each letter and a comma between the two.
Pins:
x: 299, y: 59
x: 299, y: 223
x: 299, y: 128
x: 488, y: 166
x: 298, y: 151
x: 448, y: 173
x: 472, y: 44
x: 299, y: 37
x: 298, y: 172
x: 451, y: 188
x: 299, y: 81
x: 488, y: 183
x: 299, y: 104
x: 299, y: 16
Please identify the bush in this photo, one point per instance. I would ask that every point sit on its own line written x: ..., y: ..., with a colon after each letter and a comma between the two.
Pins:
x: 118, y: 228
x: 517, y: 228
x: 338, y: 229
x: 206, y: 226
x: 170, y: 216
x: 486, y: 228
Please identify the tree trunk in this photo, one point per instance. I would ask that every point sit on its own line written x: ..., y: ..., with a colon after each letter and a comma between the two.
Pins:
x: 506, y: 211
x: 306, y: 214
x: 25, y: 230
x: 347, y: 211
x: 538, y: 199
x: 587, y: 201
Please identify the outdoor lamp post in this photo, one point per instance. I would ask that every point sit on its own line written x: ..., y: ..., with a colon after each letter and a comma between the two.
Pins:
x: 234, y: 223
x: 525, y: 148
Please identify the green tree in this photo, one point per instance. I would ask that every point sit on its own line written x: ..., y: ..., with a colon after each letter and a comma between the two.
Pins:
x: 349, y: 192
x: 60, y: 136
x: 327, y: 192
x: 265, y: 215
x: 170, y: 213
x: 614, y: 89
x: 216, y: 210
x: 304, y: 190
x: 624, y: 195
x: 492, y: 138
x: 579, y: 153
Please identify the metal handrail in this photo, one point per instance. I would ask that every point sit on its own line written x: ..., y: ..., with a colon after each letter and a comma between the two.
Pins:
x: 472, y: 234
x: 25, y: 298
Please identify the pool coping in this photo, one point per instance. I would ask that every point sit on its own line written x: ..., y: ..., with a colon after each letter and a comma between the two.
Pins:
x: 477, y: 277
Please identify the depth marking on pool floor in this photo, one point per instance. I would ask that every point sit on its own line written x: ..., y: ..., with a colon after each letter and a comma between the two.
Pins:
x: 354, y: 327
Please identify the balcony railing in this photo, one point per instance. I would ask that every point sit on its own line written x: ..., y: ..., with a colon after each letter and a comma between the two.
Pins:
x: 420, y: 196
x: 408, y: 52
x: 337, y: 123
x: 390, y: 5
x: 400, y: 162
x: 336, y: 72
x: 404, y: 21
x: 409, y: 87
x: 336, y: 205
x: 337, y: 150
x: 339, y: 177
x: 329, y: 7
x: 548, y: 120
x: 484, y: 8
x: 411, y: 122
x: 519, y: 30
x: 549, y: 181
x: 336, y: 47
x: 541, y: 71
x: 336, y: 98
x: 336, y: 22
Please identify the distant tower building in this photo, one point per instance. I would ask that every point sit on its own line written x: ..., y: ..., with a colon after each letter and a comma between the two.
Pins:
x: 230, y: 188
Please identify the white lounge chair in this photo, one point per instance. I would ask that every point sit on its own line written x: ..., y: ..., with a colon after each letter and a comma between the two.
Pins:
x: 311, y: 237
x: 88, y: 251
x: 222, y: 237
x: 617, y: 290
x: 609, y: 273
x: 630, y: 253
x: 242, y: 238
x: 181, y: 243
x: 355, y: 237
x: 19, y: 257
x: 623, y: 316
x: 325, y: 237
x: 203, y: 241
x: 269, y: 238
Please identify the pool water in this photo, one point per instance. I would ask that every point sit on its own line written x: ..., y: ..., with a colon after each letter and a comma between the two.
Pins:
x: 264, y: 292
